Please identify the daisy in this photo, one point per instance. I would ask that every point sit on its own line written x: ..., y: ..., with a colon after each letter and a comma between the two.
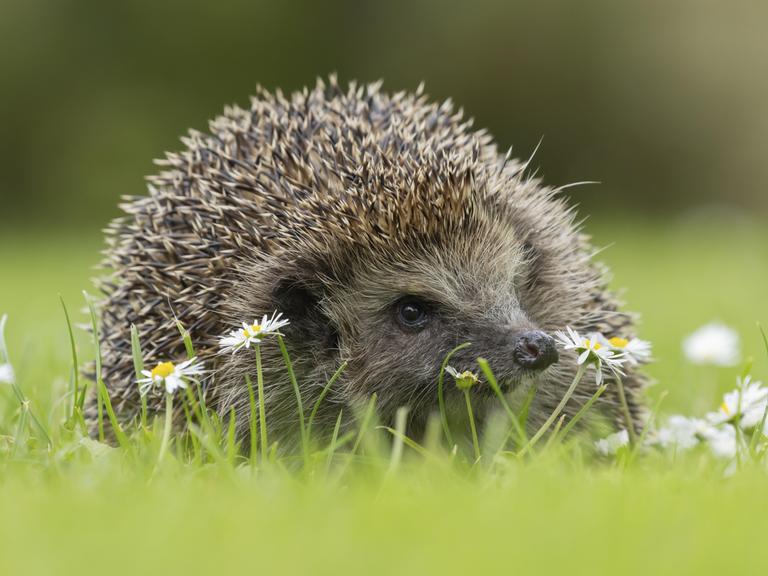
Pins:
x: 170, y: 375
x: 6, y: 374
x: 611, y: 444
x: 681, y: 432
x: 713, y: 344
x: 464, y: 380
x: 634, y: 349
x: 592, y: 350
x: 722, y: 440
x: 6, y: 370
x: 746, y: 404
x: 252, y: 333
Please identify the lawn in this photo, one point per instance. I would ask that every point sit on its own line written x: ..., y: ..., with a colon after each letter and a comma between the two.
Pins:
x: 554, y: 514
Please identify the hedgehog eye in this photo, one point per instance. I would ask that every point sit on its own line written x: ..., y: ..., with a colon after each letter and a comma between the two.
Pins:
x: 412, y: 313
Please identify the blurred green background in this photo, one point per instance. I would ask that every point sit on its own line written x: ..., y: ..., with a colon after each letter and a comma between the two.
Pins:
x: 665, y: 103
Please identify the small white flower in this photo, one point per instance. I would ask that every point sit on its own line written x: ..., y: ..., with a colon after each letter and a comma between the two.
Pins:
x: 592, y: 350
x: 252, y: 333
x: 6, y: 370
x: 681, y: 432
x: 713, y: 344
x: 722, y: 440
x: 464, y: 380
x: 170, y: 375
x: 746, y: 404
x: 611, y: 444
x: 6, y: 374
x: 634, y: 349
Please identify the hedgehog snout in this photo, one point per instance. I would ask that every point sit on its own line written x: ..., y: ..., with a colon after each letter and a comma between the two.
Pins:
x: 535, y: 350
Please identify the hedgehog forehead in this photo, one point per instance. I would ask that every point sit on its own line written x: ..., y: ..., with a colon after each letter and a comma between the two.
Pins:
x: 472, y: 272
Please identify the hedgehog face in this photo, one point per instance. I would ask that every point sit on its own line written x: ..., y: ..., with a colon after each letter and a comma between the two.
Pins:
x: 395, y: 316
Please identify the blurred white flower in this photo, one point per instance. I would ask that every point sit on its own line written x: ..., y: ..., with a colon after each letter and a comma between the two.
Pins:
x: 6, y: 374
x: 6, y: 370
x: 611, y: 444
x: 681, y: 433
x: 464, y: 380
x: 745, y: 405
x: 592, y: 350
x: 169, y: 374
x: 721, y: 440
x: 713, y: 344
x: 635, y: 350
x: 252, y: 333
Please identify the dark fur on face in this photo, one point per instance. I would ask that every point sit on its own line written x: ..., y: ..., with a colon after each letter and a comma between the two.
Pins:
x: 388, y: 233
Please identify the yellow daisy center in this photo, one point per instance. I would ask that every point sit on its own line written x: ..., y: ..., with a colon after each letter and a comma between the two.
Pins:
x: 724, y: 408
x: 588, y: 344
x: 163, y: 370
x: 255, y: 329
x: 617, y: 342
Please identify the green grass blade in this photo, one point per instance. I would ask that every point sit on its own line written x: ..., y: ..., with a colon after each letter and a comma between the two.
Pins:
x: 582, y: 411
x: 396, y: 456
x: 75, y: 362
x: 299, y: 403
x: 102, y: 395
x: 332, y: 447
x: 493, y: 383
x: 138, y: 366
x: 120, y: 436
x: 322, y: 396
x: 410, y: 442
x: 187, y: 339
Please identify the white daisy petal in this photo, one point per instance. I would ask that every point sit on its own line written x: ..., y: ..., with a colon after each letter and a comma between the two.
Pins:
x: 611, y: 444
x: 252, y: 333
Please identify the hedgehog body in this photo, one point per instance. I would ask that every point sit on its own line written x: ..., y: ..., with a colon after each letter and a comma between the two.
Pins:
x: 383, y: 226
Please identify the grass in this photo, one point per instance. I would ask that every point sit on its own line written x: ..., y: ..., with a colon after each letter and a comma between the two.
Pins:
x: 92, y: 508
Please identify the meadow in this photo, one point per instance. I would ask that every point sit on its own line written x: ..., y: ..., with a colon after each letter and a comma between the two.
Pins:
x: 85, y: 507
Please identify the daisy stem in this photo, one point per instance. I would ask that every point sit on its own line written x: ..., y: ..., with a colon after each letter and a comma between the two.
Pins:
x: 262, y: 411
x: 475, y: 443
x: 166, y: 427
x: 252, y: 420
x: 625, y: 410
x: 544, y: 427
x: 583, y: 410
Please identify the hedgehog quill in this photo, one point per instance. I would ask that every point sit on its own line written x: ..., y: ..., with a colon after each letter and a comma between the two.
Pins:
x: 386, y: 229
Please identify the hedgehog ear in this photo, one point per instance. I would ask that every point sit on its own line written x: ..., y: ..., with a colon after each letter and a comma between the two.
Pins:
x: 295, y: 300
x: 301, y: 305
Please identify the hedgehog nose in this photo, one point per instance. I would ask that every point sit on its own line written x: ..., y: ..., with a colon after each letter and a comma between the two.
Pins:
x: 535, y: 350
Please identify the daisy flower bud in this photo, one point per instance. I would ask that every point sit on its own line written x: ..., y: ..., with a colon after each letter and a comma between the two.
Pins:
x: 464, y: 380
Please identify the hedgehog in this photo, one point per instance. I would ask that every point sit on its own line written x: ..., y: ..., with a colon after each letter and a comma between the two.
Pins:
x: 387, y: 230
